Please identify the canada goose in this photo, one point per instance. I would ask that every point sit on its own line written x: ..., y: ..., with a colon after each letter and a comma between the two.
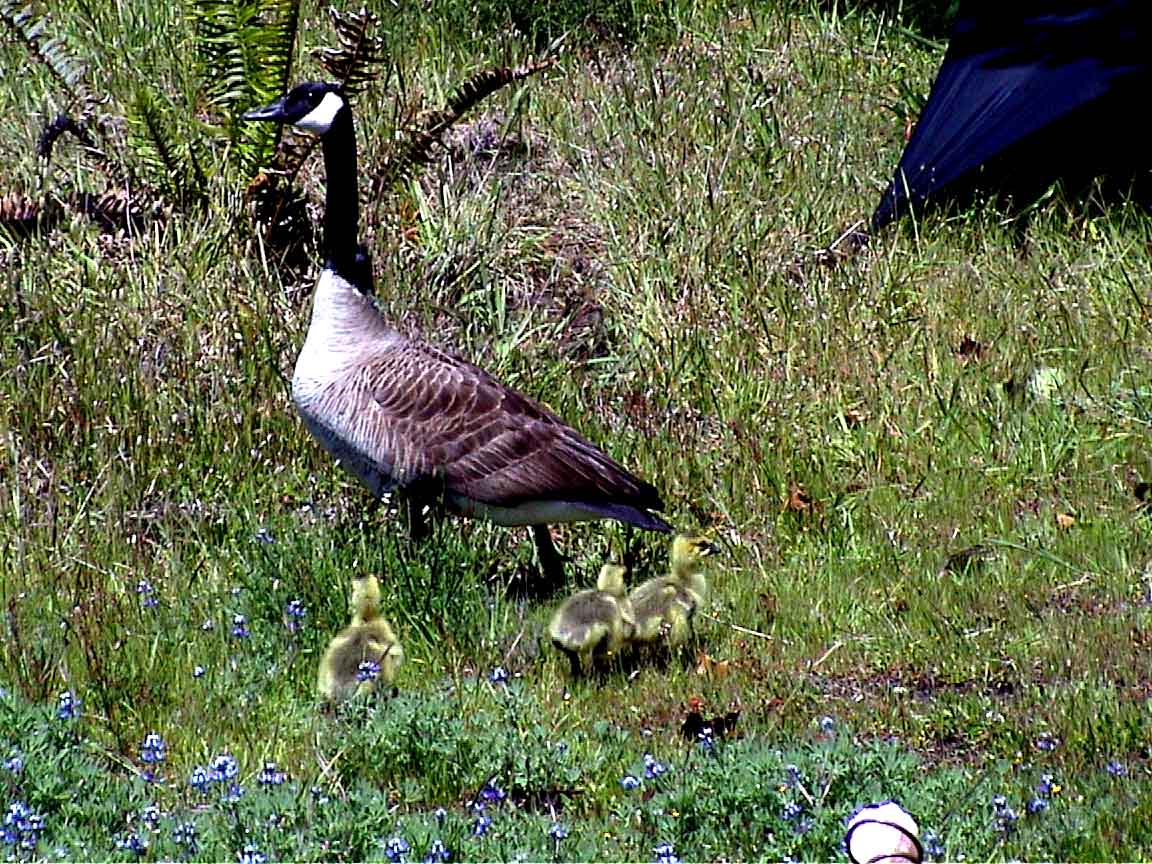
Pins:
x: 593, y: 622
x: 663, y: 607
x: 401, y: 414
x: 362, y: 653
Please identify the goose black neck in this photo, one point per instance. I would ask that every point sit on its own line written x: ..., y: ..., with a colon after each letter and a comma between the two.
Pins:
x: 342, y: 196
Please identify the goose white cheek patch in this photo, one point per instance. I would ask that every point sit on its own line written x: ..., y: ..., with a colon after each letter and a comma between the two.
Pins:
x: 319, y: 119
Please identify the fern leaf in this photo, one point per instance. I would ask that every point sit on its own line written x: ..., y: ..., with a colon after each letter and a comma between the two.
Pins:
x: 174, y: 165
x: 361, y: 54
x: 32, y: 30
x: 22, y: 217
x: 416, y: 150
x: 246, y: 50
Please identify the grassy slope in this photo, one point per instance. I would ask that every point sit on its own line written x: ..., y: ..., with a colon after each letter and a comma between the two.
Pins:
x: 631, y: 266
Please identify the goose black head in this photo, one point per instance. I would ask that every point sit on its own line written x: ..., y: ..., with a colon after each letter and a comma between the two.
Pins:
x: 312, y: 106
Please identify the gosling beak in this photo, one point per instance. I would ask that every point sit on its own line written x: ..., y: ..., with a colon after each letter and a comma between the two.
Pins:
x: 274, y: 112
x: 709, y: 549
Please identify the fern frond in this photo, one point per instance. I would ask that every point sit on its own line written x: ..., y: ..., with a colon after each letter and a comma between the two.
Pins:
x: 32, y: 30
x: 246, y: 50
x: 174, y: 165
x: 21, y: 216
x: 115, y: 210
x: 361, y: 55
x: 415, y: 150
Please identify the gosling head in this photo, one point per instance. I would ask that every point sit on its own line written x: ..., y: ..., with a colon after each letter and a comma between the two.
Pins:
x: 689, y: 552
x: 365, y: 598
x: 312, y: 106
x: 611, y: 580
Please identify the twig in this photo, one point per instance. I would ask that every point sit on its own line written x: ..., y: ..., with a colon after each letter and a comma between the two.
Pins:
x: 826, y: 655
x: 735, y: 627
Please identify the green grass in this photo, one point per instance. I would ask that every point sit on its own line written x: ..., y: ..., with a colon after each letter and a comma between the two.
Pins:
x: 633, y: 262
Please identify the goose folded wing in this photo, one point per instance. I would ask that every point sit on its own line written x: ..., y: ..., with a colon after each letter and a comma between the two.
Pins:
x: 449, y: 420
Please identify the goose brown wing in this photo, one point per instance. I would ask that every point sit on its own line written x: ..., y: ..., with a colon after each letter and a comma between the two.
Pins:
x: 442, y: 417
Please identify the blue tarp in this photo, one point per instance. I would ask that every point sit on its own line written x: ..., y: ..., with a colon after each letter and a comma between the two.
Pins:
x: 1030, y: 92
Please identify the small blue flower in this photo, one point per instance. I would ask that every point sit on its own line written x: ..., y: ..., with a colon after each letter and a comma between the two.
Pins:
x: 665, y: 854
x: 270, y: 775
x: 150, y: 816
x: 208, y: 625
x: 223, y: 767
x: 933, y: 845
x: 133, y: 843
x: 1046, y: 742
x: 794, y: 775
x: 198, y: 672
x: 630, y: 782
x: 1046, y: 784
x: 367, y: 670
x: 1037, y: 805
x: 557, y: 832
x: 791, y: 811
x: 396, y: 848
x: 439, y: 814
x: 147, y: 594
x: 294, y: 613
x: 251, y: 854
x: 1117, y: 769
x: 480, y: 828
x: 437, y: 853
x: 705, y: 740
x: 184, y: 834
x: 234, y: 794
x: 22, y: 826
x: 153, y: 750
x: 14, y: 763
x: 499, y: 675
x: 1005, y: 816
x: 827, y: 725
x: 68, y: 706
x: 653, y: 767
x: 491, y: 793
x: 239, y: 626
x: 263, y: 535
x: 200, y: 779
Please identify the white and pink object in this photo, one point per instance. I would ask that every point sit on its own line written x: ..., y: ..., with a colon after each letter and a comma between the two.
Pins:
x: 884, y: 833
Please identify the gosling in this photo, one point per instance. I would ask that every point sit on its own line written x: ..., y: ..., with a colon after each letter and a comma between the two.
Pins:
x: 362, y: 654
x: 594, y: 623
x: 663, y: 607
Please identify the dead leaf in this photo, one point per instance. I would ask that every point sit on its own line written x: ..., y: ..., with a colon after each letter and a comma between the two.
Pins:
x: 798, y: 501
x: 705, y: 665
x: 854, y: 418
x: 1064, y: 521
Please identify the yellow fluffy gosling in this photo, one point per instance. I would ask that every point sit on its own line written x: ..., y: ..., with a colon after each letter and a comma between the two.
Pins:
x: 663, y: 607
x: 595, y: 622
x: 363, y: 653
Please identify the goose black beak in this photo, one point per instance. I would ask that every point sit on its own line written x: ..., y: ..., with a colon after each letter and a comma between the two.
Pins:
x: 709, y: 549
x: 274, y: 112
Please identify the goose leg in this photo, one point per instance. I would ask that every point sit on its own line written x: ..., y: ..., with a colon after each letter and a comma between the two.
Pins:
x: 415, y: 518
x: 421, y: 500
x: 551, y: 564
